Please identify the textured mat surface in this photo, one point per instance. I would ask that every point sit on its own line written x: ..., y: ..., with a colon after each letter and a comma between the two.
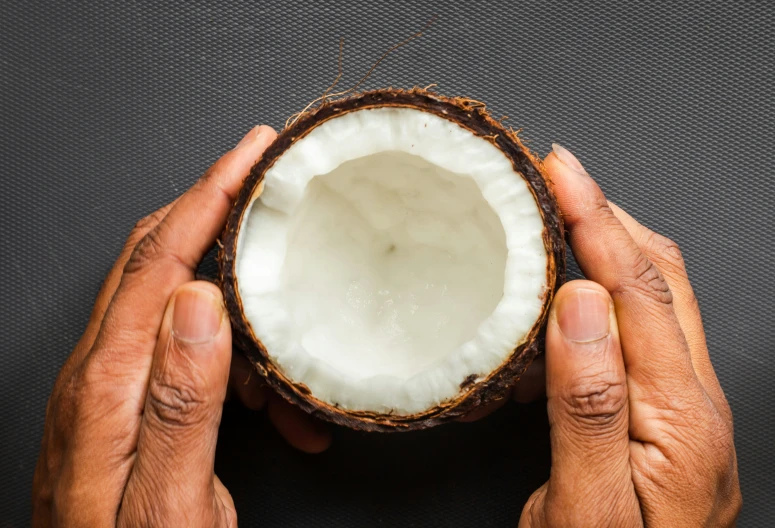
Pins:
x: 111, y: 109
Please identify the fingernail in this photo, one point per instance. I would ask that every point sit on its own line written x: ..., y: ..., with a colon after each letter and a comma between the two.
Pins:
x: 568, y: 159
x: 196, y: 316
x: 249, y: 137
x: 583, y: 315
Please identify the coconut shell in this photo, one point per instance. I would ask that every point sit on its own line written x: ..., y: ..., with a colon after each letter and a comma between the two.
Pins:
x: 472, y: 116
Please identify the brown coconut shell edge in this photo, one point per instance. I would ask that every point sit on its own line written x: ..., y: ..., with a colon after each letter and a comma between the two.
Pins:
x: 475, y: 392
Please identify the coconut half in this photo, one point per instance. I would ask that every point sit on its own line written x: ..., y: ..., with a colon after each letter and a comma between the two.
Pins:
x: 390, y: 261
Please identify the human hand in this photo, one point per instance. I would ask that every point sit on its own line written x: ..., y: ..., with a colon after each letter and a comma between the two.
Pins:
x: 132, y: 422
x: 641, y: 432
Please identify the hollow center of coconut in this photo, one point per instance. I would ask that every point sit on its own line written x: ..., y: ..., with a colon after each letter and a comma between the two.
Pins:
x: 390, y: 258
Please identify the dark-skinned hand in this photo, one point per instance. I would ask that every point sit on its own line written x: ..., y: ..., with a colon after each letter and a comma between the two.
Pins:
x: 641, y: 432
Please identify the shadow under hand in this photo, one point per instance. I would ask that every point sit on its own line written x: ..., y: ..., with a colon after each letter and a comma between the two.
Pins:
x: 459, y: 474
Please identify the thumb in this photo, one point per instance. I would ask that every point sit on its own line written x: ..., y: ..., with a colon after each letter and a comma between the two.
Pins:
x: 586, y: 387
x: 172, y: 482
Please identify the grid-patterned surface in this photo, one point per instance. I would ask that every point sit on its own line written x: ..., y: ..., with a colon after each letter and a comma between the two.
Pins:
x: 110, y: 109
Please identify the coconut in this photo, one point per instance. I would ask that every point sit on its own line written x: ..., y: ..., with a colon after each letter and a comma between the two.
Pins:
x: 390, y: 260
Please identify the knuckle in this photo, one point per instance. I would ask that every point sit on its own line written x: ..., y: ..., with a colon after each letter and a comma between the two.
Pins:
x: 175, y: 404
x: 71, y: 402
x: 211, y: 184
x: 149, y: 249
x: 77, y: 400
x: 665, y: 246
x: 90, y: 393
x: 155, y: 246
x: 667, y: 252
x: 647, y: 280
x: 145, y: 225
x: 596, y: 401
x: 600, y: 210
x: 213, y: 172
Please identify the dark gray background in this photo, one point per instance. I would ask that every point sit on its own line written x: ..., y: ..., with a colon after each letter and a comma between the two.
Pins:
x: 111, y: 109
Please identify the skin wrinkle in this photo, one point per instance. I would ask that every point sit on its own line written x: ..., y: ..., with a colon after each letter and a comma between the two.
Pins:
x: 652, y: 494
x: 646, y: 281
x: 106, y: 387
x: 662, y: 410
x: 622, y: 495
x: 595, y: 433
x: 610, y: 496
x: 172, y: 396
x: 174, y: 406
x: 148, y: 257
x: 141, y: 506
x: 603, y: 444
x: 617, y: 493
x: 653, y: 403
x: 599, y: 403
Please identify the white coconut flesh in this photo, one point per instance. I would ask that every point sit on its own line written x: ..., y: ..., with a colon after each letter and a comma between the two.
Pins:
x: 388, y: 256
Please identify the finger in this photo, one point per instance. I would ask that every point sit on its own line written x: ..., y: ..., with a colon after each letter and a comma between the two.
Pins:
x: 532, y: 385
x: 247, y: 384
x: 166, y: 258
x: 109, y: 288
x: 666, y: 255
x: 656, y: 354
x: 586, y: 387
x: 299, y: 429
x: 189, y: 230
x: 183, y: 405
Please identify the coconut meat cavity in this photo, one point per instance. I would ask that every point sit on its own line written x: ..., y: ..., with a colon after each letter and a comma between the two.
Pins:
x: 389, y: 255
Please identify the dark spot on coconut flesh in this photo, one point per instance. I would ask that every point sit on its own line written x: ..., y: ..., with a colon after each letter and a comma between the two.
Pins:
x: 470, y: 379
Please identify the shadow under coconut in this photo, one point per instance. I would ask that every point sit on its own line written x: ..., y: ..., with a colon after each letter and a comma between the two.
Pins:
x: 475, y: 474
